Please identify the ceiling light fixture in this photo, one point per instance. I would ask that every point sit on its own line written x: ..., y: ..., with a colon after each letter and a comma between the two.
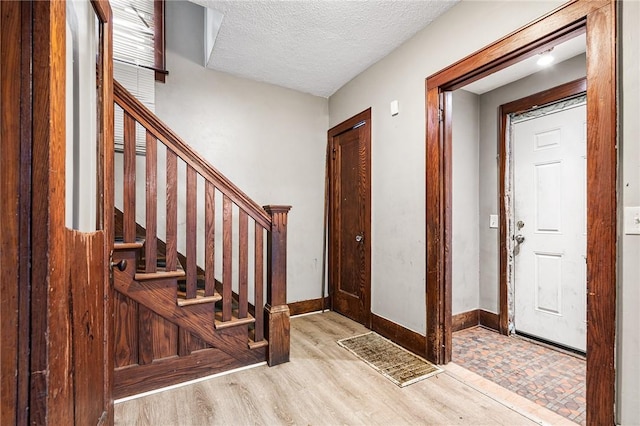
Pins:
x: 545, y: 58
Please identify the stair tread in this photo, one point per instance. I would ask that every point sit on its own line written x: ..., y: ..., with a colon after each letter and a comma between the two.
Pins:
x: 200, y: 298
x: 159, y: 274
x: 255, y: 345
x: 233, y: 322
x: 120, y: 244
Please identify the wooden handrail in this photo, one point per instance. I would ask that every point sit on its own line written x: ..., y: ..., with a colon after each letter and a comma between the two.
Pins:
x: 163, y: 133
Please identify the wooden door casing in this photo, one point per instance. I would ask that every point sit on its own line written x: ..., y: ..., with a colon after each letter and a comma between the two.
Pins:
x: 350, y: 218
x: 15, y: 204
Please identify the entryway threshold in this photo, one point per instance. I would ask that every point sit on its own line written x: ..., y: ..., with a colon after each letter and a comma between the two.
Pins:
x: 509, y: 399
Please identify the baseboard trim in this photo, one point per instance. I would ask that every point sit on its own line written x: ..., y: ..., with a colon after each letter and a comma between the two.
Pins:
x: 408, y: 339
x: 307, y: 306
x: 489, y: 320
x: 465, y: 320
x: 473, y: 318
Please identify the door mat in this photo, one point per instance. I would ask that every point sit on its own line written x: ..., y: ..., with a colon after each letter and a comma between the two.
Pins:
x: 392, y: 361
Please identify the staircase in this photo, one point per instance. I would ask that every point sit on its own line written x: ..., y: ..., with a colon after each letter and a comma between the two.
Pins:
x: 176, y: 317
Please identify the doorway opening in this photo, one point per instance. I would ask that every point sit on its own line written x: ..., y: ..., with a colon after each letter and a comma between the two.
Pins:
x: 483, y: 113
x: 597, y: 21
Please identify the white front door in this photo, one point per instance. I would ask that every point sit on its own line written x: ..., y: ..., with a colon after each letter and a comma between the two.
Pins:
x: 549, y: 226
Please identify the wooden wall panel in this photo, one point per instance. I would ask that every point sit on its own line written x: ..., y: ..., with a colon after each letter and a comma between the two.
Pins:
x: 164, y: 337
x: 145, y: 335
x: 125, y: 331
x: 157, y: 337
x: 189, y: 343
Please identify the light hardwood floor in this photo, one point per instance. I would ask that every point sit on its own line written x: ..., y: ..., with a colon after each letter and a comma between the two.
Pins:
x: 323, y: 384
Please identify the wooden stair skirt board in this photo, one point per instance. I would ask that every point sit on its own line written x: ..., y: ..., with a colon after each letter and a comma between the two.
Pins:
x: 168, y: 355
x: 158, y: 343
x: 473, y: 318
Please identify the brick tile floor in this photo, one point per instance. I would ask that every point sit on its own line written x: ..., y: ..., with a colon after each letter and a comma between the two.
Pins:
x: 550, y: 378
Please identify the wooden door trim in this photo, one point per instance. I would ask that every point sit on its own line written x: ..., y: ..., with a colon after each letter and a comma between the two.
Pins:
x: 554, y: 94
x: 105, y: 187
x: 15, y: 204
x: 333, y: 176
x: 599, y: 19
x: 51, y: 394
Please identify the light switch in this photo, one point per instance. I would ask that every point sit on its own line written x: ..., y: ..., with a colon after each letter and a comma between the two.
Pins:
x: 632, y: 220
x: 493, y: 221
x: 394, y: 108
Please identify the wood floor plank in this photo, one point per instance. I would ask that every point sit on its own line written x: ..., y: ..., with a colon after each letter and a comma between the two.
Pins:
x: 323, y: 384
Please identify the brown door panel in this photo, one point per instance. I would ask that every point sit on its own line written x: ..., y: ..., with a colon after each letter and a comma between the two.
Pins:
x: 350, y: 219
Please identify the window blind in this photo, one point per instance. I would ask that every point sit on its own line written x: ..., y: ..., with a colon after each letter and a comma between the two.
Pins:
x: 134, y: 60
x: 141, y: 83
x: 133, y: 32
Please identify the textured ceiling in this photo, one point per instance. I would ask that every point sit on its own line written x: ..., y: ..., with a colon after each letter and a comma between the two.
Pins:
x: 313, y: 46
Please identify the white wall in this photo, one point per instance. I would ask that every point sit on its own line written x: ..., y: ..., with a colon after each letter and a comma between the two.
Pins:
x: 398, y: 143
x: 81, y: 107
x: 560, y: 73
x: 268, y: 140
x: 465, y: 222
x: 628, y: 385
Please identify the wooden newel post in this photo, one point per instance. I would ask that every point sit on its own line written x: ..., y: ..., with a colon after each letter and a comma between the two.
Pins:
x: 276, y: 309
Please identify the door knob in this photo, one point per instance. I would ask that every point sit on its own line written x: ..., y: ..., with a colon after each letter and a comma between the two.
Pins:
x: 122, y: 265
x: 519, y: 238
x: 359, y: 238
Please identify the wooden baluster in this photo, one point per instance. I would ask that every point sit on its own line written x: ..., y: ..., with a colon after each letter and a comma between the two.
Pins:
x: 192, y: 204
x: 210, y: 240
x: 258, y: 284
x: 172, y: 211
x: 243, y: 264
x: 129, y: 190
x: 276, y: 308
x: 151, y: 239
x: 227, y: 257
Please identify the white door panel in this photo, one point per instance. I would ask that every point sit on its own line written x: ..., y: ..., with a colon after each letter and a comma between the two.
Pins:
x: 549, y: 187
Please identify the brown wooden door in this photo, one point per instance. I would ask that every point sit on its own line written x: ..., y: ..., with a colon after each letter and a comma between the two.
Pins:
x: 350, y: 198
